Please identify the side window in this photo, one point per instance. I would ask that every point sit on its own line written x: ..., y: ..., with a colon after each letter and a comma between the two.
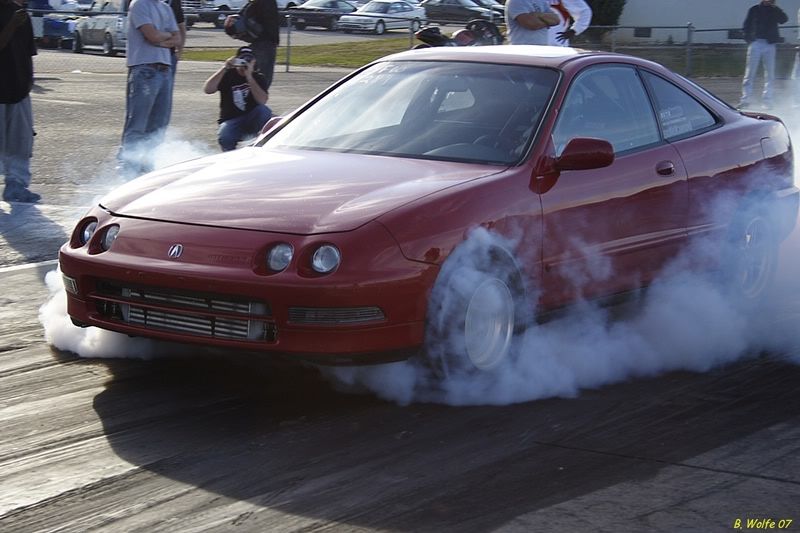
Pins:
x: 680, y: 114
x: 607, y: 102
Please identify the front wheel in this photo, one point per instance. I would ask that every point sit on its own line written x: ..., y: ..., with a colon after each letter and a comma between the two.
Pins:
x: 473, y: 316
x: 380, y: 28
x: 299, y: 25
x: 415, y: 24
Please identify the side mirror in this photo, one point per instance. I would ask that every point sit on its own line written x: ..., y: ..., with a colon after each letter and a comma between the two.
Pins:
x: 585, y: 153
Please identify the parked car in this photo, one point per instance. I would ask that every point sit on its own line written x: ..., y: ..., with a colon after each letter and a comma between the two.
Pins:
x: 444, y: 11
x: 498, y: 8
x: 105, y: 28
x: 408, y: 210
x: 378, y: 16
x: 324, y: 13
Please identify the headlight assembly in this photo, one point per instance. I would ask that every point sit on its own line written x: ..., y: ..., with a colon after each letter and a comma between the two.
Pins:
x: 109, y: 237
x: 279, y: 257
x: 326, y: 259
x: 87, y: 231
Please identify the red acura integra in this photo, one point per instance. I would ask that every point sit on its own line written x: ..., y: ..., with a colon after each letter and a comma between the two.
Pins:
x: 346, y: 233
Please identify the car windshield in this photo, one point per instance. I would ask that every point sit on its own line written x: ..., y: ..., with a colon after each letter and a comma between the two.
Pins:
x: 317, y: 3
x: 375, y: 7
x: 453, y: 111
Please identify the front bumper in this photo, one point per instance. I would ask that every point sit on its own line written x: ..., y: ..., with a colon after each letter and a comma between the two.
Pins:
x: 219, y: 293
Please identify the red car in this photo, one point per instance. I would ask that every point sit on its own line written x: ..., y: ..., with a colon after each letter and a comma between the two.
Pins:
x: 431, y: 202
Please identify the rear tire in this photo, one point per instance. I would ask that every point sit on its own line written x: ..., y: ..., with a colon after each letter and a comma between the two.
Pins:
x: 299, y: 25
x: 380, y: 28
x: 750, y: 258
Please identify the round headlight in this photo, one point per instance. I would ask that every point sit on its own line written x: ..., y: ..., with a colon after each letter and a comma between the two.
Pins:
x: 280, y: 256
x: 326, y: 259
x: 88, y: 231
x: 109, y: 237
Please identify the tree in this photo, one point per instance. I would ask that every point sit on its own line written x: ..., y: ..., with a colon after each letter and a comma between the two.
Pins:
x: 604, y: 13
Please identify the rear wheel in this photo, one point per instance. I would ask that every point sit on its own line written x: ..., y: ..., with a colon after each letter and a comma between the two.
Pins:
x: 380, y: 28
x: 108, y: 45
x: 751, y: 256
x: 300, y: 25
x: 333, y: 24
x: 415, y: 24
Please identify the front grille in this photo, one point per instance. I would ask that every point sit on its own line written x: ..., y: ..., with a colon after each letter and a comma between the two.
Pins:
x: 203, y: 315
x: 334, y: 315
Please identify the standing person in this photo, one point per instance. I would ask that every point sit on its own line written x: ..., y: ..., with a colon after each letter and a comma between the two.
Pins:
x: 264, y: 16
x: 761, y: 31
x: 527, y: 21
x: 17, y: 49
x: 242, y: 98
x: 574, y: 16
x: 152, y: 33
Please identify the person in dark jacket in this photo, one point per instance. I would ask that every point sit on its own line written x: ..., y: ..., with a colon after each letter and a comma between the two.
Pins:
x: 17, y: 49
x: 762, y: 34
x: 265, y: 43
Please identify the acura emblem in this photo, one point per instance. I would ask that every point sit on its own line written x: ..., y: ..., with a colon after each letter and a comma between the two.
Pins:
x: 175, y: 251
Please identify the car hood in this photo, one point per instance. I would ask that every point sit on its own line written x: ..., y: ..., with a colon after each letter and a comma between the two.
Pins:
x: 285, y: 191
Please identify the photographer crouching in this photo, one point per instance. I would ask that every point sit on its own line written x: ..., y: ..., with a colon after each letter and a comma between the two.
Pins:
x: 242, y: 98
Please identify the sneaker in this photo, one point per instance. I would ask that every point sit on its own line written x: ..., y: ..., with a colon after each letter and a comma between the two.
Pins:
x: 18, y: 193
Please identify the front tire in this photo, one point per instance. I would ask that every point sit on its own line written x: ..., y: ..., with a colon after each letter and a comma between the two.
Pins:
x: 380, y: 28
x: 299, y: 25
x: 473, y: 316
x: 415, y: 24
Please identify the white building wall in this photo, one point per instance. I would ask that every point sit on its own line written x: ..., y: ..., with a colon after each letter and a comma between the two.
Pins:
x: 703, y: 14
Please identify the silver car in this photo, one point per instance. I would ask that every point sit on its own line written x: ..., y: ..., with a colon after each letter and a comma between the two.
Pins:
x: 105, y: 28
x: 378, y: 16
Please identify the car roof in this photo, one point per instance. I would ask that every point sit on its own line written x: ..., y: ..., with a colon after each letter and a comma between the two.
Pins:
x: 542, y: 56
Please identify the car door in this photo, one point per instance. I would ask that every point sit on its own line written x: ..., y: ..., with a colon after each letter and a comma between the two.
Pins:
x: 89, y: 35
x: 394, y: 15
x: 611, y: 229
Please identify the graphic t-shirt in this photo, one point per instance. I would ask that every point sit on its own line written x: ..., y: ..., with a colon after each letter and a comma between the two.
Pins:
x: 235, y: 98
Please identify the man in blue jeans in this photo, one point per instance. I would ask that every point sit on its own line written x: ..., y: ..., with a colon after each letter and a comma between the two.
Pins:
x: 152, y: 33
x: 242, y: 98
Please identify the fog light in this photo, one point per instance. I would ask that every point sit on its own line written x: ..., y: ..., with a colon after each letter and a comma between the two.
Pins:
x: 109, y: 237
x: 70, y: 284
x: 280, y: 256
x: 326, y: 259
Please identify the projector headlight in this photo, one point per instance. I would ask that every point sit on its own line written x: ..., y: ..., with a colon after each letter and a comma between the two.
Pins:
x: 87, y: 231
x: 280, y: 256
x: 326, y: 259
x: 109, y: 237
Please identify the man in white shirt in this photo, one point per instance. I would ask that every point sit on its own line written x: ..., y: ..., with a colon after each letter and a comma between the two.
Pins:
x: 574, y: 17
x: 527, y: 21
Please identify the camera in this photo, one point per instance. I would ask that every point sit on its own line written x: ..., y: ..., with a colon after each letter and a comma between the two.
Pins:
x: 239, y: 62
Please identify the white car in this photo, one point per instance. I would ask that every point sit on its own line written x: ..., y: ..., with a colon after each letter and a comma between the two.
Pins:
x: 378, y: 16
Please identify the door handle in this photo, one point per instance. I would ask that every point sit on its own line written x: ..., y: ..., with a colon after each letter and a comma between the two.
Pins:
x: 665, y: 168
